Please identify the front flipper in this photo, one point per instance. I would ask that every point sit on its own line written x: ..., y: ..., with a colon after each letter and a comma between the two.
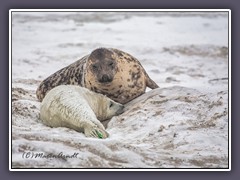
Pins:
x: 95, y: 132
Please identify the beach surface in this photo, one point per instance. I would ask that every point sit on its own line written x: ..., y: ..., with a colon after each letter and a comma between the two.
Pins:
x: 182, y: 124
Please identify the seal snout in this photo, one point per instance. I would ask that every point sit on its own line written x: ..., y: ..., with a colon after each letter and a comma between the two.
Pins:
x: 120, y: 110
x: 105, y: 78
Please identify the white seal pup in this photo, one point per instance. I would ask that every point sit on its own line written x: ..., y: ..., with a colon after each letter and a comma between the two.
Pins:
x: 78, y: 108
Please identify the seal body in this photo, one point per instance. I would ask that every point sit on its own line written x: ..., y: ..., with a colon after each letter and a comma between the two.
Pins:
x: 108, y: 71
x: 78, y: 108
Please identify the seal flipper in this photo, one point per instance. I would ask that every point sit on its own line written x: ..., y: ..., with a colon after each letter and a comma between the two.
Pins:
x: 150, y: 83
x: 95, y: 132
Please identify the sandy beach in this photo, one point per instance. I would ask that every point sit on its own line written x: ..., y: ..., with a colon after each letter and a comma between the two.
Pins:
x: 182, y: 124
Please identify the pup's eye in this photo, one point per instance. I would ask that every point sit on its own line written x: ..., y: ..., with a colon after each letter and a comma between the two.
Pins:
x: 110, y: 64
x: 111, y: 104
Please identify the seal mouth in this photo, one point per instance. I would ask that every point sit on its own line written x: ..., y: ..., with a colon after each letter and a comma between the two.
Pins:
x: 105, y: 79
x: 120, y: 111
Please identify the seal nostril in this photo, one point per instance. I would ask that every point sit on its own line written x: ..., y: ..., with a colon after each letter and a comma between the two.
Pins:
x: 106, y: 78
x: 120, y: 110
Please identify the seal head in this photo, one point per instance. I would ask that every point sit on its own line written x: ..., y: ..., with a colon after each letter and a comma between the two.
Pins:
x: 102, y: 65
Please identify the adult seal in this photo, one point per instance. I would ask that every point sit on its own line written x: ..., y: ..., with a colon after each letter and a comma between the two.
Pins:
x: 108, y: 71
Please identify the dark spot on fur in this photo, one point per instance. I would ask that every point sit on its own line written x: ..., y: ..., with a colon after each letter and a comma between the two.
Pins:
x: 131, y: 86
x: 120, y: 86
x: 119, y: 92
x: 129, y: 59
x: 119, y: 53
x: 137, y: 84
x: 79, y: 80
x: 94, y: 88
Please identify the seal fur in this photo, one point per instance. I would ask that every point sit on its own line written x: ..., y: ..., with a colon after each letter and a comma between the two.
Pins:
x: 78, y: 108
x: 108, y: 71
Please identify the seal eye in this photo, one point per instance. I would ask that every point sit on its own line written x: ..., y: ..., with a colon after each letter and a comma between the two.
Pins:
x: 110, y: 64
x: 94, y: 67
x: 111, y: 104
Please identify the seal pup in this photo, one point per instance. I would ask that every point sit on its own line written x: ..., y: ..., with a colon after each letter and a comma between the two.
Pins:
x: 78, y: 108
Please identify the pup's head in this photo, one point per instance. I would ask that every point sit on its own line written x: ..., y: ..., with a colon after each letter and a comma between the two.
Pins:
x: 108, y: 108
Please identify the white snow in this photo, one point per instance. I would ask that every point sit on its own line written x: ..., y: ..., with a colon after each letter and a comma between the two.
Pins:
x: 183, y: 124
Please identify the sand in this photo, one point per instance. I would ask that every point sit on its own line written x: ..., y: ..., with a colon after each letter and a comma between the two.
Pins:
x: 183, y: 124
